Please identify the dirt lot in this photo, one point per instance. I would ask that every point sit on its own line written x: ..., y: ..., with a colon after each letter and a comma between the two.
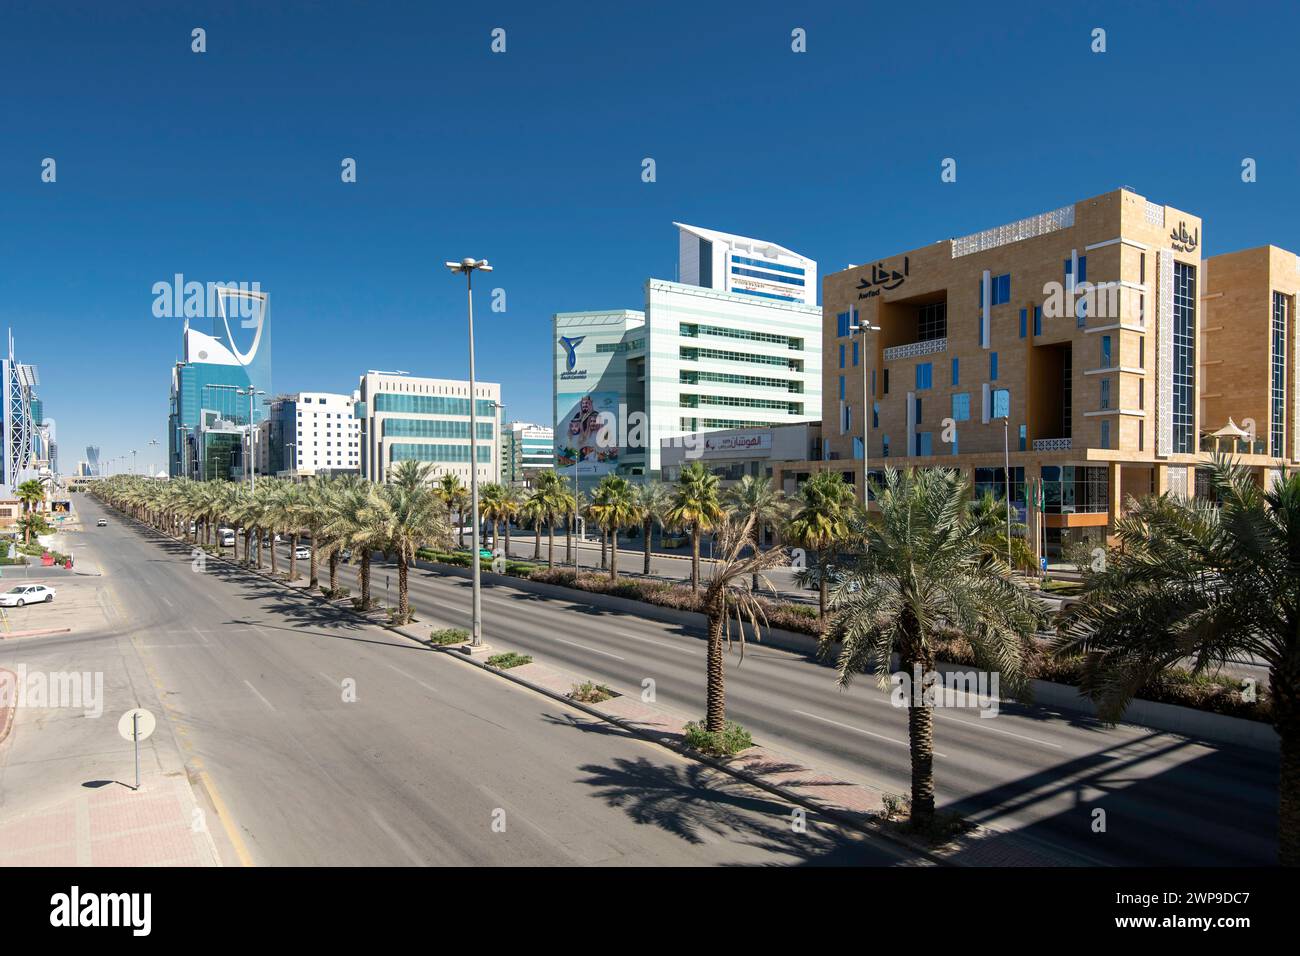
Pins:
x: 81, y: 603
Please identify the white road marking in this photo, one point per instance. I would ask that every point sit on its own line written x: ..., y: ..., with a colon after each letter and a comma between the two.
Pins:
x: 260, y: 697
x: 892, y: 740
x: 983, y: 724
x: 594, y: 650
x: 427, y: 687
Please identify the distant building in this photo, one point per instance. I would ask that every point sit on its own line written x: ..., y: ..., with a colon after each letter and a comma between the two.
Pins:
x: 736, y: 343
x: 404, y: 418
x: 20, y: 439
x: 526, y: 450
x: 310, y: 433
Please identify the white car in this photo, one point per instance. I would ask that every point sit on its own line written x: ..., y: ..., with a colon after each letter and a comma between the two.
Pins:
x: 101, y: 523
x: 302, y: 551
x: 26, y: 594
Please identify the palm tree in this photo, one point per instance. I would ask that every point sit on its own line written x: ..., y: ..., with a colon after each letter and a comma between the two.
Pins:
x: 491, y: 505
x: 553, y: 500
x: 359, y: 521
x: 1022, y: 556
x: 32, y: 523
x: 31, y: 493
x: 697, y: 508
x: 821, y: 522
x: 511, y: 503
x: 413, y: 515
x: 534, y: 511
x: 727, y: 598
x: 653, y: 499
x: 614, y: 506
x: 1213, y: 585
x: 450, y: 490
x: 755, y: 502
x: 924, y: 570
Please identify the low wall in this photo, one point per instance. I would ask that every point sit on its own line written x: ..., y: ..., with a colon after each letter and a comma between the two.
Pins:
x: 1187, y: 721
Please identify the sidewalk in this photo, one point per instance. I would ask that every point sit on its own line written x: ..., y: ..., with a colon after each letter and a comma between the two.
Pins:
x: 112, y: 825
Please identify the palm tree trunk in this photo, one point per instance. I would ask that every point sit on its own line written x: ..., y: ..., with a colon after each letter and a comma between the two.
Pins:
x: 258, y: 532
x: 821, y: 588
x: 507, y: 524
x: 365, y: 578
x: 550, y: 545
x: 293, y: 557
x: 312, y: 580
x: 715, y: 719
x: 537, y: 542
x: 334, y: 571
x: 649, y: 529
x: 613, y: 554
x: 695, y: 557
x: 403, y: 595
x: 920, y: 736
x: 272, y: 546
x: 248, y: 546
x: 604, y: 548
x: 570, y: 527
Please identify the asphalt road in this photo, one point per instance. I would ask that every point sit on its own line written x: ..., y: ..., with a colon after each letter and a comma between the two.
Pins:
x: 1167, y: 800
x: 430, y: 754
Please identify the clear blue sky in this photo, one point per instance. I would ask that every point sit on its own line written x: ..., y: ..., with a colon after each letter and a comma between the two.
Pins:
x: 225, y: 165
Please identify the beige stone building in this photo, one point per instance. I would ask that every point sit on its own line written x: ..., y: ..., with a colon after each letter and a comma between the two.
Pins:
x: 1071, y: 344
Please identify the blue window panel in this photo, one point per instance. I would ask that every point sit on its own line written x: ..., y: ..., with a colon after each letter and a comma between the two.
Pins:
x: 873, y: 381
x: 1024, y: 437
x: 918, y: 409
x: 765, y: 295
x: 924, y: 444
x: 993, y: 366
x: 1024, y: 322
x: 954, y: 443
x: 961, y: 406
x: 1001, y: 293
x: 1105, y: 351
x: 956, y: 372
x: 875, y: 414
x: 924, y: 375
x: 884, y: 445
x: 1038, y: 320
x: 1083, y: 270
x: 841, y: 355
x: 1001, y: 403
x: 737, y: 271
x: 855, y: 353
x: 1105, y: 434
x: 841, y: 388
x: 1081, y: 313
x: 763, y: 264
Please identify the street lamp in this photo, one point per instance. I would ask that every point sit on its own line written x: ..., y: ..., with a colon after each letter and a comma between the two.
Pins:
x: 293, y: 455
x: 153, y: 443
x: 864, y: 328
x: 133, y: 461
x: 467, y: 266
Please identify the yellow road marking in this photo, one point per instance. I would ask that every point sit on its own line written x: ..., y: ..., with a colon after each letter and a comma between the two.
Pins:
x: 241, y: 851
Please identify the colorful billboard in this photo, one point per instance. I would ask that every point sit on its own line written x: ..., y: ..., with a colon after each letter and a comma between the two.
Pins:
x: 587, y: 432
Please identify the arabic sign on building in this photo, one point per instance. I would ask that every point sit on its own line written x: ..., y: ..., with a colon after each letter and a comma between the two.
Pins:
x: 744, y: 441
x: 883, y: 279
x: 1184, y: 241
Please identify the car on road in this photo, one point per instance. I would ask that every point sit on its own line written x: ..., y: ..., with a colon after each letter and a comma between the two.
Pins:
x: 101, y: 523
x: 25, y: 594
x: 302, y: 551
x: 345, y: 554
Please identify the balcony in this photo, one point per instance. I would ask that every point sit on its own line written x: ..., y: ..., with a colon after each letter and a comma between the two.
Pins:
x: 913, y: 349
x: 1052, y: 444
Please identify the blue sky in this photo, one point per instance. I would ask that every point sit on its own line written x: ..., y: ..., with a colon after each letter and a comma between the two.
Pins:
x: 225, y: 166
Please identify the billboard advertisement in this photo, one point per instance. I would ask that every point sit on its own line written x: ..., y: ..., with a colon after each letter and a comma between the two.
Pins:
x: 587, y: 432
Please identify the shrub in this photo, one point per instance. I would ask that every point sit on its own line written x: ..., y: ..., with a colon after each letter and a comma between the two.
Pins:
x: 336, y: 593
x: 448, y: 635
x: 589, y: 692
x: 732, y: 740
x: 508, y: 660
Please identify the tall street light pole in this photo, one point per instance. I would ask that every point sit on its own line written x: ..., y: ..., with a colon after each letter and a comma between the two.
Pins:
x: 864, y: 328
x: 467, y: 266
x: 153, y: 443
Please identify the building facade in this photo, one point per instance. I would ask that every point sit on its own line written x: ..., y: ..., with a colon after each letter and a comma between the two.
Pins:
x: 1250, y: 360
x: 204, y: 394
x: 401, y: 418
x: 1068, y: 343
x: 21, y: 415
x: 735, y: 453
x: 526, y: 450
x: 734, y: 344
x: 310, y: 433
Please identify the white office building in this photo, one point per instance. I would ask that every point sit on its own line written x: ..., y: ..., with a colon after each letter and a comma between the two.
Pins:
x: 403, y: 418
x: 735, y: 344
x: 310, y: 433
x: 526, y: 449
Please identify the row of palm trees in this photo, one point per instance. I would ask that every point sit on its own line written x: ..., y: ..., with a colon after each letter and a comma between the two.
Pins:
x: 340, y: 515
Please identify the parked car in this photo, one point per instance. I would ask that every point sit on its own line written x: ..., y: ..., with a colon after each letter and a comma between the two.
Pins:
x: 345, y: 554
x: 101, y: 523
x: 302, y: 551
x: 26, y: 594
x: 811, y: 578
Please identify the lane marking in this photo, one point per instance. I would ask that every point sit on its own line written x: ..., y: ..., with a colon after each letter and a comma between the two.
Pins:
x: 892, y: 740
x: 260, y: 697
x: 427, y: 687
x: 997, y: 730
x: 594, y: 650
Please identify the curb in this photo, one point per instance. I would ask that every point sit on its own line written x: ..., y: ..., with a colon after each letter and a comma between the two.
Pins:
x: 37, y: 633
x: 10, y: 709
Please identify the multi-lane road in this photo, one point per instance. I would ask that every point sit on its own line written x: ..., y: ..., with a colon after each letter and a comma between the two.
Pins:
x: 333, y: 742
x: 1167, y: 799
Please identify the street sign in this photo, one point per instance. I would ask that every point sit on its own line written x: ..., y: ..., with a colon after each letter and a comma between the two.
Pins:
x: 136, y: 725
x: 147, y: 723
